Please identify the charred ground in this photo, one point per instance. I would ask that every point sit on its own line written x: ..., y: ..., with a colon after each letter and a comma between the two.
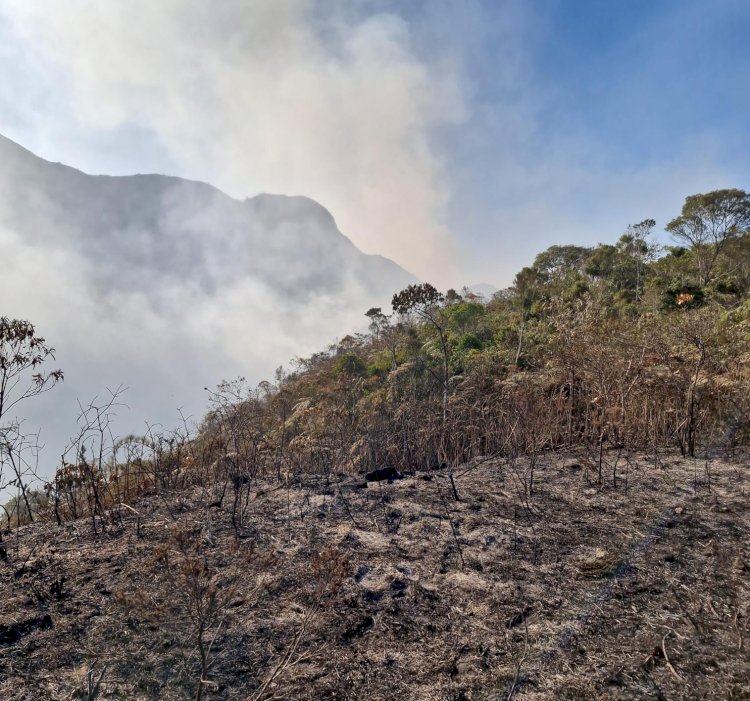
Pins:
x: 396, y: 590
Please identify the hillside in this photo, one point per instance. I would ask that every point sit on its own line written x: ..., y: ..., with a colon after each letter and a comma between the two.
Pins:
x: 336, y: 590
x: 144, y: 231
x: 542, y: 495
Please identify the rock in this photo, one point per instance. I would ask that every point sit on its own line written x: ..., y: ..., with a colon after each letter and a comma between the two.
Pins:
x: 596, y: 562
x: 358, y: 630
x: 518, y: 618
x: 398, y: 585
x: 383, y: 474
x: 362, y: 572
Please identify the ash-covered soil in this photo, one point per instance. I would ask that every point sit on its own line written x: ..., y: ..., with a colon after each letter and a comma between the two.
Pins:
x: 397, y: 590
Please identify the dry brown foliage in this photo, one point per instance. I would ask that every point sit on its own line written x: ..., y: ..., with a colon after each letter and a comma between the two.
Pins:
x: 578, y: 590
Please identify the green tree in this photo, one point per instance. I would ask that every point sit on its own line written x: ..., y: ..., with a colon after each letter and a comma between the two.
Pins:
x: 559, y: 264
x: 637, y: 246
x: 527, y: 290
x: 22, y: 352
x: 349, y: 364
x: 426, y: 303
x: 378, y: 321
x: 708, y: 222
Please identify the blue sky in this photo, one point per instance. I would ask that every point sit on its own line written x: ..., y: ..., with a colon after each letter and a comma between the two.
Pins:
x: 644, y: 79
x: 459, y: 138
x: 621, y: 109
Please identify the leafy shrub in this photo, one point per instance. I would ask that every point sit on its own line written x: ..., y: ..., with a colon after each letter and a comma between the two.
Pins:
x: 350, y: 364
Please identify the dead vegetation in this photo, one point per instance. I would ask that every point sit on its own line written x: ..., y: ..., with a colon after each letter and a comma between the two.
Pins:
x: 566, y: 515
x: 337, y: 590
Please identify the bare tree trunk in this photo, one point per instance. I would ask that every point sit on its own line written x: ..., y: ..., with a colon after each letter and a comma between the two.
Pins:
x: 690, y: 418
x: 520, y: 341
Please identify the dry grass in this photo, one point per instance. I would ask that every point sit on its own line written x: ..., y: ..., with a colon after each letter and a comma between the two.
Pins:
x: 582, y: 592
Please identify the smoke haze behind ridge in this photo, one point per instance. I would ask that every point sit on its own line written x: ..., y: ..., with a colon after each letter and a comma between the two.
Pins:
x: 288, y: 96
x: 168, y: 286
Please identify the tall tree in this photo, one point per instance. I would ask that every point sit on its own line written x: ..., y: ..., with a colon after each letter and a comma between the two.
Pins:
x: 426, y: 303
x: 707, y: 222
x: 636, y: 244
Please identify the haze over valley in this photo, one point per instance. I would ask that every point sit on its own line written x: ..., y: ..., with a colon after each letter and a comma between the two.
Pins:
x: 166, y: 286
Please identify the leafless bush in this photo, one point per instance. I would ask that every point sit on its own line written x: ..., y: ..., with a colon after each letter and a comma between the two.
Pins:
x: 182, y: 565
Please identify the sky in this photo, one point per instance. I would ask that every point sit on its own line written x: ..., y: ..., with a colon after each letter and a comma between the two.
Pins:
x: 457, y: 138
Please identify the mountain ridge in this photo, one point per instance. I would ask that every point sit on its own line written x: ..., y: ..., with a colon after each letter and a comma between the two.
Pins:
x: 167, y: 285
x: 178, y: 210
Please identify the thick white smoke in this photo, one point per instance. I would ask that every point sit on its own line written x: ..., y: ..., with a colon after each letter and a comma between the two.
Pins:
x: 322, y: 99
x: 292, y: 96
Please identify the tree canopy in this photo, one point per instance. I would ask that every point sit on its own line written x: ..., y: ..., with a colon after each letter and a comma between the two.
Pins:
x: 708, y: 222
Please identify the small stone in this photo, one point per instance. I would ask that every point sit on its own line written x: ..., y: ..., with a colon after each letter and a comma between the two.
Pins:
x: 384, y: 474
x: 595, y: 562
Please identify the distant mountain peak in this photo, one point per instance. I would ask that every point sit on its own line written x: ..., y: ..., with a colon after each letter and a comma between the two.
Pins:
x: 153, y: 281
x: 170, y: 226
